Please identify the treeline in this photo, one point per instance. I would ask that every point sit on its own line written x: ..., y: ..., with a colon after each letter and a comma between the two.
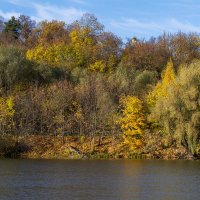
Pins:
x: 78, y: 78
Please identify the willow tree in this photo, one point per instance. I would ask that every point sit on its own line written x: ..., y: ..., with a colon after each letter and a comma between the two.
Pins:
x: 178, y: 113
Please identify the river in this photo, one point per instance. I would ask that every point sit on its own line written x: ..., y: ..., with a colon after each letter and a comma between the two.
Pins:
x: 99, y: 180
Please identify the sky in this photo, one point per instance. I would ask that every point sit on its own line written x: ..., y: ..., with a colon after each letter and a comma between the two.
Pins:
x: 125, y: 18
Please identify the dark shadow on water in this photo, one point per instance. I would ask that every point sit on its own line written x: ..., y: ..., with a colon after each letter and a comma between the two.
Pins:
x: 16, y: 150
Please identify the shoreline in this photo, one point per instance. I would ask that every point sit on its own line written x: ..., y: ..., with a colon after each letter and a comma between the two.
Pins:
x: 51, y: 147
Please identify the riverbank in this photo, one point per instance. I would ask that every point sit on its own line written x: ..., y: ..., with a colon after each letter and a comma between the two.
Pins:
x: 75, y: 147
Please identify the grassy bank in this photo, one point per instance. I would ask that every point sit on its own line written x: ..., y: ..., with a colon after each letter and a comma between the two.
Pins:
x: 74, y: 147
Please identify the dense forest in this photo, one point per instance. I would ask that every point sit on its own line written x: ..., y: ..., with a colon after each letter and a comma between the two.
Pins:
x: 79, y: 79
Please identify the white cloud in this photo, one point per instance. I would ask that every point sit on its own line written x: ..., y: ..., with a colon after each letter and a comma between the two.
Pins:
x: 79, y: 1
x: 8, y: 15
x: 42, y: 11
x: 128, y: 24
x: 174, y: 25
x: 50, y: 12
x: 16, y: 2
x: 170, y: 25
x: 189, y: 4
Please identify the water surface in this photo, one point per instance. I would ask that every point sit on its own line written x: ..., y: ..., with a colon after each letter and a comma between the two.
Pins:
x: 99, y: 180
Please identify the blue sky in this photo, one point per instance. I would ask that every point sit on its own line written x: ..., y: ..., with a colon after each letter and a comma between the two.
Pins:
x: 125, y: 18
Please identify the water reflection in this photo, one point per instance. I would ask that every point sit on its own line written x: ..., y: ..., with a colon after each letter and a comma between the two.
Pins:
x: 99, y: 180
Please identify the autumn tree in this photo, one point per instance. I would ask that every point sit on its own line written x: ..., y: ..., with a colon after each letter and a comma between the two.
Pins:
x: 144, y: 55
x: 144, y: 83
x: 51, y: 44
x: 26, y: 27
x: 132, y: 121
x: 108, y: 51
x: 178, y: 113
x: 89, y: 21
x: 160, y: 90
x: 6, y: 114
x: 182, y: 47
x: 82, y: 44
x: 59, y: 45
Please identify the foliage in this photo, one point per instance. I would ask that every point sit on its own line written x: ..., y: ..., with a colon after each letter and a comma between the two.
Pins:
x: 144, y: 82
x: 145, y: 55
x: 13, y: 27
x: 26, y: 27
x: 51, y: 55
x: 6, y: 113
x: 51, y: 44
x: 132, y: 121
x: 78, y: 78
x: 182, y: 47
x: 14, y: 68
x: 160, y: 89
x: 178, y: 113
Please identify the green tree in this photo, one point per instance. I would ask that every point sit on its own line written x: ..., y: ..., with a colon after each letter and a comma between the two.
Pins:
x: 144, y: 83
x: 13, y: 27
x: 15, y: 69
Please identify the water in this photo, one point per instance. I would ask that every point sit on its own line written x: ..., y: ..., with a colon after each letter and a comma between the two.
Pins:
x: 99, y: 180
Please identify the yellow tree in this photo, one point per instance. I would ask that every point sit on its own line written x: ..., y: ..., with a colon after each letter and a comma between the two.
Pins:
x: 52, y: 55
x: 74, y: 49
x: 52, y: 44
x: 6, y: 113
x: 82, y: 44
x: 132, y: 121
x: 168, y: 77
x: 52, y: 32
x: 98, y: 66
